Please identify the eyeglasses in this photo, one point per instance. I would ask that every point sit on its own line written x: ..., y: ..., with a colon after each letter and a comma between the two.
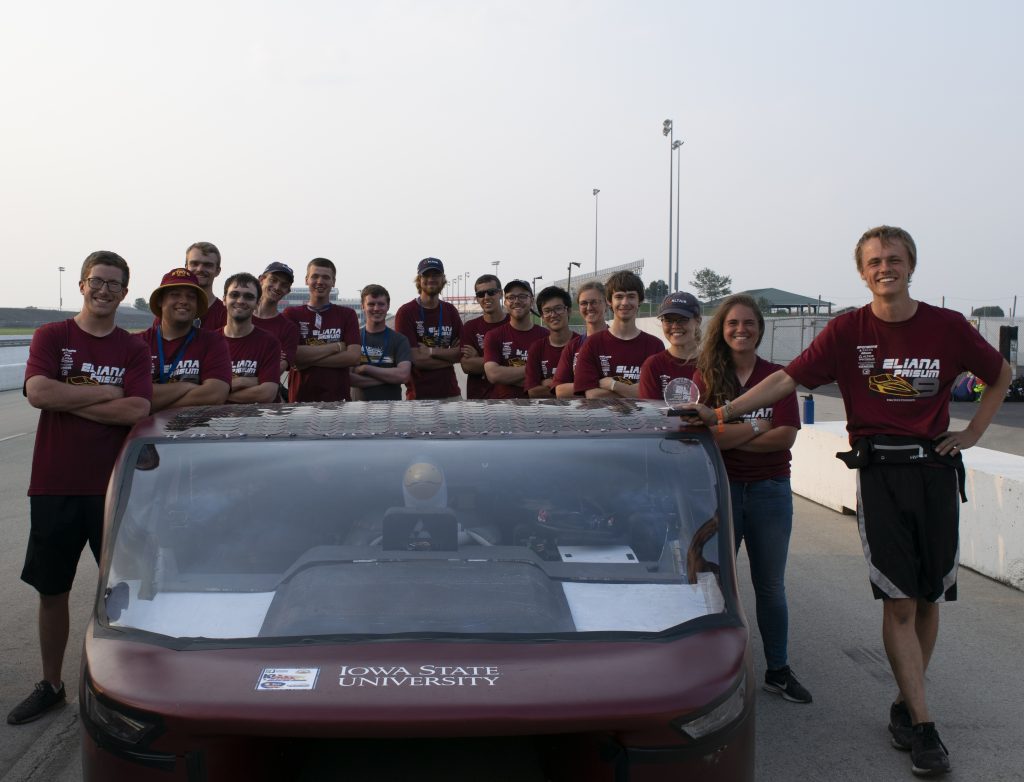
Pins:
x: 584, y: 304
x: 487, y: 292
x: 551, y: 312
x: 246, y: 296
x: 95, y: 283
x: 517, y: 297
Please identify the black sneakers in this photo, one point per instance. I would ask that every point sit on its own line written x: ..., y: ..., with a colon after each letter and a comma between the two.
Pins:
x: 927, y: 752
x: 42, y: 699
x: 784, y: 683
x: 900, y: 725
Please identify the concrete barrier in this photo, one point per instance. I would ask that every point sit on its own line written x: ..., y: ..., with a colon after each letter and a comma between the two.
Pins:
x: 12, y: 366
x: 991, y: 521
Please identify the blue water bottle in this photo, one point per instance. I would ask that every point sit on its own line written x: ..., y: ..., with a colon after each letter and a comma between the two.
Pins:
x: 809, y: 408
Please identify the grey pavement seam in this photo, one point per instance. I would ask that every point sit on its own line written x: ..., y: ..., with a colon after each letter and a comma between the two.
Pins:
x: 33, y: 766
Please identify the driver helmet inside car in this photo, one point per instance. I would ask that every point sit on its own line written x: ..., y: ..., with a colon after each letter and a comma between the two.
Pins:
x: 423, y: 485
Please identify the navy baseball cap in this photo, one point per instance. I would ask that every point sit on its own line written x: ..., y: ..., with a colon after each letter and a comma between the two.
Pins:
x: 430, y: 265
x: 680, y: 303
x: 518, y: 284
x: 280, y: 268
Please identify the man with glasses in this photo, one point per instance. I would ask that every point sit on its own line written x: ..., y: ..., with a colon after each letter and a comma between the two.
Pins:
x: 385, y: 359
x: 328, y: 340
x: 203, y: 260
x: 590, y: 300
x: 434, y: 330
x: 255, y: 354
x: 488, y: 294
x: 543, y: 355
x: 608, y: 366
x: 276, y: 283
x: 505, y: 347
x: 191, y: 366
x: 90, y: 381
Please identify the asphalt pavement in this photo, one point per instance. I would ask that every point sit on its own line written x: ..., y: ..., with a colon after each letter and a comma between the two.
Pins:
x: 975, y: 686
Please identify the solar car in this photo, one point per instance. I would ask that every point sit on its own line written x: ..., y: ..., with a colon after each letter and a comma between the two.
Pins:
x: 514, y: 590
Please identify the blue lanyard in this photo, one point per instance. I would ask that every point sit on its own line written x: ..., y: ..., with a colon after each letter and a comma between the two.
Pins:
x: 166, y: 376
x: 440, y: 320
x: 383, y: 350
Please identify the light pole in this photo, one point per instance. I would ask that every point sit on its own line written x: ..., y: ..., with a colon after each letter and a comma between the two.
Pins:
x: 60, y: 288
x: 533, y: 285
x: 568, y: 284
x: 679, y: 157
x: 596, y: 191
x: 666, y: 130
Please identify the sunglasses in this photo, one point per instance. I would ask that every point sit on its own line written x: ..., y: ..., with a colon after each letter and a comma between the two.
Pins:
x: 487, y: 292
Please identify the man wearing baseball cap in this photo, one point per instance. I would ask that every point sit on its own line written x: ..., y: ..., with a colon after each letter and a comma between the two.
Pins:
x: 434, y: 330
x: 276, y: 283
x: 506, y: 347
x: 680, y: 322
x: 191, y: 366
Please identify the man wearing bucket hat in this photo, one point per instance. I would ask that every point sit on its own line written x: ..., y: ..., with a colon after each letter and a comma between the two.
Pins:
x: 434, y: 330
x: 191, y: 366
x: 679, y: 314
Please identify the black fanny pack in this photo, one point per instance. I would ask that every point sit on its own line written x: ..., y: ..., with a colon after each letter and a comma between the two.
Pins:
x: 883, y: 449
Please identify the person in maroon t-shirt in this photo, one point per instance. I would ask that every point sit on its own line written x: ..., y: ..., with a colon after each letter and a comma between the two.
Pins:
x: 680, y: 322
x: 328, y: 340
x: 203, y: 260
x: 488, y: 292
x: 255, y: 354
x: 505, y: 347
x: 895, y: 376
x: 543, y: 356
x: 276, y: 283
x: 90, y: 381
x: 608, y: 366
x: 190, y: 366
x: 590, y: 299
x: 434, y: 330
x: 756, y: 455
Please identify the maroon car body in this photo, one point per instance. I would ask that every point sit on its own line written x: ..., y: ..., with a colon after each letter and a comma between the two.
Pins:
x: 467, y: 590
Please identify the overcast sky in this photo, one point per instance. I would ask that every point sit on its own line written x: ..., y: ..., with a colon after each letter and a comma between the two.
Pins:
x: 379, y: 133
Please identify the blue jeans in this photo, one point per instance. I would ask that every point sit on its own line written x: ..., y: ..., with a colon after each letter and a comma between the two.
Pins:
x: 762, y: 513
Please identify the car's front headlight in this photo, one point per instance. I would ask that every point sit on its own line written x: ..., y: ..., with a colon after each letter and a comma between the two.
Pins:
x: 114, y: 723
x: 721, y: 716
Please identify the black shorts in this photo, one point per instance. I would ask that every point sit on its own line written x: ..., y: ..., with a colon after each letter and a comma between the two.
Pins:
x: 909, y: 519
x: 61, y: 526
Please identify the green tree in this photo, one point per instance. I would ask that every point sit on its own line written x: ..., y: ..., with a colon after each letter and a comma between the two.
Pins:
x: 711, y: 285
x: 656, y: 291
x: 988, y: 312
x: 141, y: 304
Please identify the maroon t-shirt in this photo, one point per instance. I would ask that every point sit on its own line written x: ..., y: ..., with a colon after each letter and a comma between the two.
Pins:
x: 658, y: 370
x: 541, y: 361
x: 508, y: 346
x: 895, y: 378
x: 334, y: 324
x: 748, y: 466
x: 257, y: 354
x: 74, y: 456
x: 565, y: 372
x: 440, y: 327
x: 605, y: 355
x: 285, y: 330
x: 206, y: 356
x: 473, y: 333
x: 215, y: 317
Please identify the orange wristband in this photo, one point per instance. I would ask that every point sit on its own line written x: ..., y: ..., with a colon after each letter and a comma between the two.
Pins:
x: 721, y: 419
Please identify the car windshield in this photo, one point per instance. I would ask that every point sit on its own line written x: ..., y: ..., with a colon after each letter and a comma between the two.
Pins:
x: 275, y: 539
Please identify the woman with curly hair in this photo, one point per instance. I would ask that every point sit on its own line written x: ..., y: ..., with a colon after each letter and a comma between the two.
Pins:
x: 756, y: 453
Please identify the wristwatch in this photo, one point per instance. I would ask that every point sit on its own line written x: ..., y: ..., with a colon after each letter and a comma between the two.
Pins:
x: 755, y: 426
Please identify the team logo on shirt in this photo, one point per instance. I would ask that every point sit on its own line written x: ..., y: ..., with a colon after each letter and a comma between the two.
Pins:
x: 905, y: 377
x: 187, y: 371
x: 319, y: 336
x: 428, y: 336
x: 514, y: 357
x: 623, y: 373
x: 67, y: 361
x: 245, y: 367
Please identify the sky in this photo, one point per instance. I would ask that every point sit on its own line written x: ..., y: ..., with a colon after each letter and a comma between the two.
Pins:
x: 376, y: 134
